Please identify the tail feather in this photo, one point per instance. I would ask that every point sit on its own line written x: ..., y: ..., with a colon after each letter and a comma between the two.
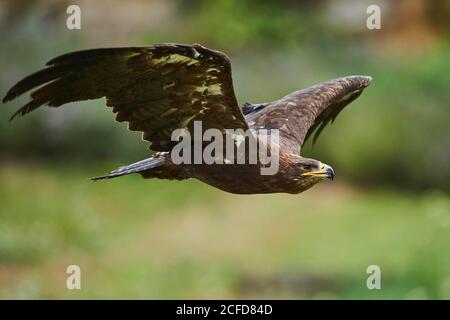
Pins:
x: 136, y: 167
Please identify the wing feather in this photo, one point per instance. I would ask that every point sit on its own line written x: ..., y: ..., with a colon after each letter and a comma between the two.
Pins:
x: 306, y: 112
x: 157, y: 89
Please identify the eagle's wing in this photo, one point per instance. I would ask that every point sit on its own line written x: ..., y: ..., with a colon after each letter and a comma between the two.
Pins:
x: 156, y: 88
x: 301, y: 113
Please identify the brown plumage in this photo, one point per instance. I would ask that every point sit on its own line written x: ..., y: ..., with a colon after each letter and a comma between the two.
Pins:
x: 160, y: 88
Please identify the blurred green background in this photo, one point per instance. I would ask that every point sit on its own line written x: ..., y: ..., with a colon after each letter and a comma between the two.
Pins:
x: 135, y: 238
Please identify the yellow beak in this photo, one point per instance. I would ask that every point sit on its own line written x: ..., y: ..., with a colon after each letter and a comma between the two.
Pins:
x: 325, y: 172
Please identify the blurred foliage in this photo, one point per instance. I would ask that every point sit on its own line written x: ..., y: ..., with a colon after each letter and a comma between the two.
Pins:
x: 148, y: 243
x: 238, y: 24
x: 138, y: 238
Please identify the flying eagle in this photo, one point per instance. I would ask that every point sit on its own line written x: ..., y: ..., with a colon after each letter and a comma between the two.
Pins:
x: 160, y: 88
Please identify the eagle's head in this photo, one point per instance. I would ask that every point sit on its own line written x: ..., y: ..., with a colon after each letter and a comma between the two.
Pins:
x: 312, y: 172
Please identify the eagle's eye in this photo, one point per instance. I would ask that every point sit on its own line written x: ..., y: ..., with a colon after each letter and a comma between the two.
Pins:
x: 307, y: 167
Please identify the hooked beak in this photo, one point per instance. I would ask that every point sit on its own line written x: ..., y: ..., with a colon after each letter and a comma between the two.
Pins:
x: 325, y: 172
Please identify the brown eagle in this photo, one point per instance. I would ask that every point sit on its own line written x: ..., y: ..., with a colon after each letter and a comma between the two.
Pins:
x: 160, y: 88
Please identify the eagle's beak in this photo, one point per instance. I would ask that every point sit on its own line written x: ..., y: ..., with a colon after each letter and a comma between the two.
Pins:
x: 325, y: 171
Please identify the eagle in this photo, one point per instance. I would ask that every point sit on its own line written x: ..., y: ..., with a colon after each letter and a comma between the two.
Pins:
x: 160, y: 88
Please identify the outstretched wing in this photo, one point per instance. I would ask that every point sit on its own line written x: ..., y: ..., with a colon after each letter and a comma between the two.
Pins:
x: 305, y: 112
x: 156, y: 89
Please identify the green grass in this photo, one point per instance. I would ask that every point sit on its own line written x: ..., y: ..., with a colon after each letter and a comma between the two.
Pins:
x: 136, y: 238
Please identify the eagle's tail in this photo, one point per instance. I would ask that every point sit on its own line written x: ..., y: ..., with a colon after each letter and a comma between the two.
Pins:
x: 137, y: 167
